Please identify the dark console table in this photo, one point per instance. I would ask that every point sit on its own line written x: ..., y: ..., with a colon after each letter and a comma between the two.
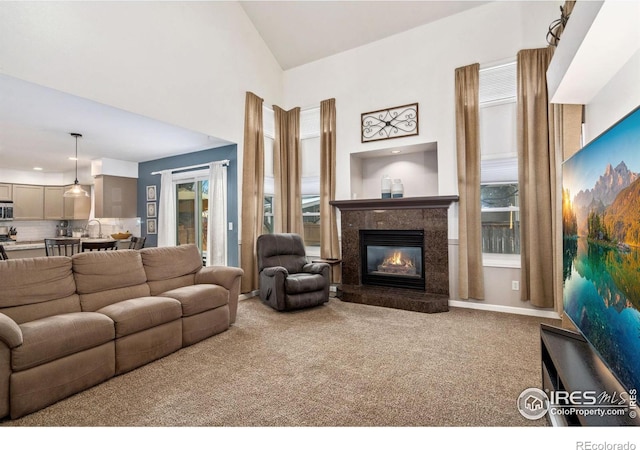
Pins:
x: 570, y: 364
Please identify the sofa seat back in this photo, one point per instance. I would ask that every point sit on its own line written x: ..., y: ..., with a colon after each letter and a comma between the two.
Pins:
x: 35, y: 288
x: 105, y: 278
x: 184, y: 262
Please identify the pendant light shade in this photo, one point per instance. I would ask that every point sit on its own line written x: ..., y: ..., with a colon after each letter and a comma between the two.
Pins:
x: 76, y: 190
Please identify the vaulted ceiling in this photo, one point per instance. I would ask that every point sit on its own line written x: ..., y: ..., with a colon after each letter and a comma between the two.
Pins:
x: 297, y: 32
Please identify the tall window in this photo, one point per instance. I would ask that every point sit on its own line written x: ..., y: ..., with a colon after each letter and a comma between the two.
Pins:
x: 499, y: 172
x: 269, y: 129
x: 310, y: 182
x: 310, y: 148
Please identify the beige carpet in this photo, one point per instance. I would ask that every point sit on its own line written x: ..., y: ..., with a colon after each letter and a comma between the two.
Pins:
x: 340, y: 364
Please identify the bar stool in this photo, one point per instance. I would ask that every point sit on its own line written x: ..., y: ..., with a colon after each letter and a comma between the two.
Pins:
x: 98, y: 246
x: 61, y: 247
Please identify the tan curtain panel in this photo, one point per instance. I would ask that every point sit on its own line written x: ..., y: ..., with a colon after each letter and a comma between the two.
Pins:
x: 471, y: 278
x: 287, y: 172
x: 329, y: 245
x: 566, y: 130
x: 252, y: 190
x: 537, y: 171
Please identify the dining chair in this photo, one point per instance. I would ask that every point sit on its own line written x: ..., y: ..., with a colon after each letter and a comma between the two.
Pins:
x: 61, y: 247
x: 137, y: 242
x: 97, y: 246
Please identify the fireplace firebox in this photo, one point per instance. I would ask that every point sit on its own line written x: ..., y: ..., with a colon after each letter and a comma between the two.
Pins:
x: 392, y: 258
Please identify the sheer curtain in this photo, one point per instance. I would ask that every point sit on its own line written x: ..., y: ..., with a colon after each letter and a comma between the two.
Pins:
x: 252, y: 190
x: 167, y: 211
x: 217, y: 220
x: 329, y: 246
x: 287, y: 171
x: 471, y: 276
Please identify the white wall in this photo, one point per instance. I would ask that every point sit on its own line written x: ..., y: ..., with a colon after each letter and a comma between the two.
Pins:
x: 615, y: 100
x: 417, y: 171
x: 184, y: 63
x: 416, y: 66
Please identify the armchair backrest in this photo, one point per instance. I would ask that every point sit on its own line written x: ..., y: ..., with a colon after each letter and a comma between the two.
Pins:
x: 284, y: 249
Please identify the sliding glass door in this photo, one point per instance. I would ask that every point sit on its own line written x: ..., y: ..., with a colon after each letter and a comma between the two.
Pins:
x: 192, y: 200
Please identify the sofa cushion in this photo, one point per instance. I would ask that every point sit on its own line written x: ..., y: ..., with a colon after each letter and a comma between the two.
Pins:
x: 163, y: 263
x: 54, y: 337
x: 298, y: 283
x: 138, y: 314
x: 32, y: 281
x: 103, y: 278
x: 198, y: 298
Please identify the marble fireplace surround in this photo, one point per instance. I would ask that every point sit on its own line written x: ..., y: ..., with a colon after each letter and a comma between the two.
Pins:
x: 429, y: 214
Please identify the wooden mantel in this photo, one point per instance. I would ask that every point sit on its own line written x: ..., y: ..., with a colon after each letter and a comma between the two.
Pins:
x: 443, y: 201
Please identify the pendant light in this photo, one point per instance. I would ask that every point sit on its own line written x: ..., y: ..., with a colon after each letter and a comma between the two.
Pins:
x: 76, y: 190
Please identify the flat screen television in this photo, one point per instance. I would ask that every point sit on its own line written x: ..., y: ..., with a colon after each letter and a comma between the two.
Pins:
x: 601, y: 231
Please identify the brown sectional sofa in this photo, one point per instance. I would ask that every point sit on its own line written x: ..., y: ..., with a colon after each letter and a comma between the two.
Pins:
x: 69, y: 323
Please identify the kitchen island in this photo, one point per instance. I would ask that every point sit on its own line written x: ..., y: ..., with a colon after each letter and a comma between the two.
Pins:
x: 33, y: 249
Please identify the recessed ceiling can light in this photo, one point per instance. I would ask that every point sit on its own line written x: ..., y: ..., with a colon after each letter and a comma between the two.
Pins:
x: 395, y: 152
x: 37, y: 168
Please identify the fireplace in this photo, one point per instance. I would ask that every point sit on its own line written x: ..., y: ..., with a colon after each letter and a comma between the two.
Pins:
x: 411, y: 234
x: 392, y: 258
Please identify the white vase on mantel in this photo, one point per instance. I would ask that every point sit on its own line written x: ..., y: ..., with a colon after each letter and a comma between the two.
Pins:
x: 386, y: 187
x: 397, y: 188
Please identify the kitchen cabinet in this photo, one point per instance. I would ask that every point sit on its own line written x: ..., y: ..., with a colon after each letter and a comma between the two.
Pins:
x: 6, y: 192
x: 116, y: 196
x: 28, y: 202
x: 53, y: 202
x: 77, y: 208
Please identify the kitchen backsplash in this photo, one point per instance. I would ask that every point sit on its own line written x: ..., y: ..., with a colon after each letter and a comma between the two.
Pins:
x: 35, y: 230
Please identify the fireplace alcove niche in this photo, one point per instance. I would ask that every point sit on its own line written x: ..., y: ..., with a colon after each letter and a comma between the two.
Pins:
x: 425, y: 221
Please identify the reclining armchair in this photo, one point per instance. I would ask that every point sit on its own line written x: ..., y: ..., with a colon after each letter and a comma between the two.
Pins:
x: 287, y: 280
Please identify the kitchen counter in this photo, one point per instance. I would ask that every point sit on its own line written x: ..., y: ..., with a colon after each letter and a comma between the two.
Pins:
x: 32, y: 245
x: 22, y: 245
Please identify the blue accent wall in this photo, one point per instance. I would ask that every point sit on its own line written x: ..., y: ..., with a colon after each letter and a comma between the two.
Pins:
x: 145, y: 179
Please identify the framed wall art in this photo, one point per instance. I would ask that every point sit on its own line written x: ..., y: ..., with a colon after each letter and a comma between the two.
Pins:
x: 396, y: 122
x: 151, y: 226
x: 151, y: 193
x: 151, y: 209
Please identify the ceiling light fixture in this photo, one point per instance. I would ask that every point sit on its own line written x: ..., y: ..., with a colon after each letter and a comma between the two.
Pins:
x: 76, y: 190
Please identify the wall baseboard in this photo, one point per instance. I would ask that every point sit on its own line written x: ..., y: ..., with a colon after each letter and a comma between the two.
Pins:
x: 548, y: 314
x: 465, y: 304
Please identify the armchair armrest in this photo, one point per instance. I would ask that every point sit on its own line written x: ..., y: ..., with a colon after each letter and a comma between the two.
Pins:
x: 275, y: 270
x: 319, y: 268
x: 10, y: 332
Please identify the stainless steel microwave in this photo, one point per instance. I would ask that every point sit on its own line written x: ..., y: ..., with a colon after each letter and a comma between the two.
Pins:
x: 6, y: 210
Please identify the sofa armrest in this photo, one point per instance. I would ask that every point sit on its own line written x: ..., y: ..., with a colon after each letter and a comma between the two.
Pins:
x: 10, y: 332
x: 227, y: 277
x: 221, y: 275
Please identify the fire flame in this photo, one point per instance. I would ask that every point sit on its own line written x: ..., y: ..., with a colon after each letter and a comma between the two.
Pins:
x: 398, y: 259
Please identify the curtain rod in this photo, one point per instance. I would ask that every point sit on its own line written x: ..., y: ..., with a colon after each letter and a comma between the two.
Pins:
x: 224, y: 162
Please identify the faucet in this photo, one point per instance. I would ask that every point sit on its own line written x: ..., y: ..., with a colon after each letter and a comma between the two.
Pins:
x: 99, y: 227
